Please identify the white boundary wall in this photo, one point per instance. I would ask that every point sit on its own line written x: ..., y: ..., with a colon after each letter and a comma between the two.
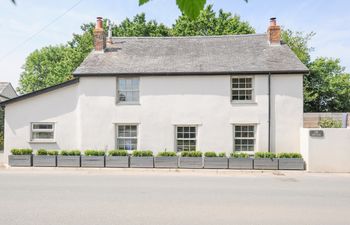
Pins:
x: 330, y: 153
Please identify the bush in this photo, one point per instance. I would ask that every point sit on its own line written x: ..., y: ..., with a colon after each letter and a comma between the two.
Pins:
x: 330, y: 123
x: 166, y: 154
x: 239, y: 155
x: 21, y: 151
x: 139, y: 153
x: 71, y: 152
x: 293, y: 155
x: 265, y: 155
x: 52, y: 152
x: 41, y: 152
x: 94, y: 153
x: 118, y: 153
x: 210, y: 154
x: 191, y: 154
x: 222, y: 154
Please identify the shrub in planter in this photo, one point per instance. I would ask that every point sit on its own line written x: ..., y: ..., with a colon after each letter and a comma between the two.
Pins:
x: 20, y: 157
x: 166, y: 160
x: 93, y: 158
x: 240, y: 161
x: 290, y: 161
x: 215, y: 161
x: 117, y: 159
x: 265, y: 161
x: 141, y: 159
x: 44, y: 158
x: 69, y: 158
x: 191, y: 160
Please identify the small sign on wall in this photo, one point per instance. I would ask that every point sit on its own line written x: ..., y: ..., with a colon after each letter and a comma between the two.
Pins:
x: 316, y: 133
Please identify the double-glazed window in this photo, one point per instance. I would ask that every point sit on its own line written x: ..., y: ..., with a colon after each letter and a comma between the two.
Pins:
x: 186, y: 138
x: 128, y: 90
x: 42, y: 131
x: 244, y: 138
x: 127, y: 137
x: 242, y: 89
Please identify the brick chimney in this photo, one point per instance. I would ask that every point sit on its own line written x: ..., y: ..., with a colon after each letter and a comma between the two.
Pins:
x: 274, y: 32
x: 99, y: 36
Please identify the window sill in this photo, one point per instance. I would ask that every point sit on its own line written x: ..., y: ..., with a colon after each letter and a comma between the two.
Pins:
x: 42, y: 142
x: 128, y: 103
x: 244, y: 103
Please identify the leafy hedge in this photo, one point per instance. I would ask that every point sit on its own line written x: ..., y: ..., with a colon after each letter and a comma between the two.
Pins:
x: 259, y: 155
x: 166, y: 154
x: 94, y: 153
x: 118, y: 153
x: 45, y: 152
x: 139, y: 153
x: 239, y: 155
x: 21, y: 151
x: 293, y: 155
x: 70, y: 152
x: 191, y: 154
x: 214, y: 154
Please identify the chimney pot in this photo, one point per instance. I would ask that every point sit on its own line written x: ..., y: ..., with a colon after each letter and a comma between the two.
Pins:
x: 274, y: 32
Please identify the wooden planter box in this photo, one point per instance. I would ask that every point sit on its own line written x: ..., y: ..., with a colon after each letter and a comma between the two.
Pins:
x: 191, y: 162
x: 266, y: 164
x: 141, y: 162
x: 291, y: 164
x: 20, y: 160
x: 117, y: 161
x: 93, y: 161
x: 240, y: 163
x: 166, y: 162
x: 68, y: 161
x: 215, y: 163
x: 44, y: 160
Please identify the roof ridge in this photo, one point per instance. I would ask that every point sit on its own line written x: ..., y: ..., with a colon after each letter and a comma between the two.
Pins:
x: 189, y: 37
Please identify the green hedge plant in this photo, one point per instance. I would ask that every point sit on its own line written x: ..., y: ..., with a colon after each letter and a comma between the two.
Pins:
x: 210, y: 154
x: 191, y: 154
x: 166, y: 154
x: 293, y: 155
x: 239, y: 155
x: 142, y: 153
x: 94, y: 153
x: 41, y: 152
x: 70, y: 152
x: 21, y: 151
x: 222, y: 154
x: 260, y: 155
x: 118, y: 153
x: 330, y: 123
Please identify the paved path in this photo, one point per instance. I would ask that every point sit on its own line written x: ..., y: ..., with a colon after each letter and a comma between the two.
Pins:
x: 117, y: 197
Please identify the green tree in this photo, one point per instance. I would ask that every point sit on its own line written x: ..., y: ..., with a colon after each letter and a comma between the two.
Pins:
x: 208, y: 23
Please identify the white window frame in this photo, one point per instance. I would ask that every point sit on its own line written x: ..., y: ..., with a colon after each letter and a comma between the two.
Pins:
x: 117, y: 135
x: 240, y: 89
x: 33, y: 130
x: 128, y: 90
x: 189, y: 139
x: 245, y: 138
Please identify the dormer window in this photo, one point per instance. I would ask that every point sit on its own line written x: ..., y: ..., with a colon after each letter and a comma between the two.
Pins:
x: 128, y: 90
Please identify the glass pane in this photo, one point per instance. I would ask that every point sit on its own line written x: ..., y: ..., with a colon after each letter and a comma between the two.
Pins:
x: 244, y: 128
x: 238, y: 128
x: 193, y: 142
x: 193, y: 129
x: 121, y: 84
x: 42, y: 135
x: 128, y: 84
x: 122, y: 96
x: 180, y: 135
x: 135, y: 96
x: 42, y: 126
x: 238, y: 134
x: 180, y: 129
x: 186, y: 135
x: 135, y: 84
x: 186, y: 129
x: 192, y: 135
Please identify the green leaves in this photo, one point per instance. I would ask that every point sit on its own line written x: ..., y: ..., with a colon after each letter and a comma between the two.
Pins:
x: 191, y: 8
x: 141, y: 2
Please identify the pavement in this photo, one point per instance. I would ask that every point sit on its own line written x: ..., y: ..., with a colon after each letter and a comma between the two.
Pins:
x: 50, y: 196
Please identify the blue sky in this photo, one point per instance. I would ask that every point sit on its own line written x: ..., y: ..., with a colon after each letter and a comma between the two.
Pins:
x: 329, y: 19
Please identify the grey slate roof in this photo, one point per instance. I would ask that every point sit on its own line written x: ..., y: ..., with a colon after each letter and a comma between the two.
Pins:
x: 3, y: 85
x: 191, y: 55
x: 7, y: 91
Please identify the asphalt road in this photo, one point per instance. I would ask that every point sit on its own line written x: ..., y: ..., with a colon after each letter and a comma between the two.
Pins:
x: 93, y: 197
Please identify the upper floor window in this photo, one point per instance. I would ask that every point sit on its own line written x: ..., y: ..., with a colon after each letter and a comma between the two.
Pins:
x: 128, y: 90
x: 42, y: 131
x: 242, y: 89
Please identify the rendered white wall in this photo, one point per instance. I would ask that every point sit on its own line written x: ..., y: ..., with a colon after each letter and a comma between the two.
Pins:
x: 86, y: 113
x: 330, y: 153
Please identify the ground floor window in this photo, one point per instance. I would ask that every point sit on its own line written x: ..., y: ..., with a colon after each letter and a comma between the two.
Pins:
x: 42, y: 131
x: 186, y: 138
x: 127, y: 137
x: 244, y: 137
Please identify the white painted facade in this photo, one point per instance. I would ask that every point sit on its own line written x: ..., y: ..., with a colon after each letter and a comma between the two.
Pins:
x: 85, y: 114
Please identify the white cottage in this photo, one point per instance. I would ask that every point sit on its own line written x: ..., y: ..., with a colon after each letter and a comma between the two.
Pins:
x: 211, y: 93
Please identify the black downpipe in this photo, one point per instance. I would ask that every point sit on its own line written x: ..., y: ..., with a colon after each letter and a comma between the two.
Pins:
x: 269, y: 112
